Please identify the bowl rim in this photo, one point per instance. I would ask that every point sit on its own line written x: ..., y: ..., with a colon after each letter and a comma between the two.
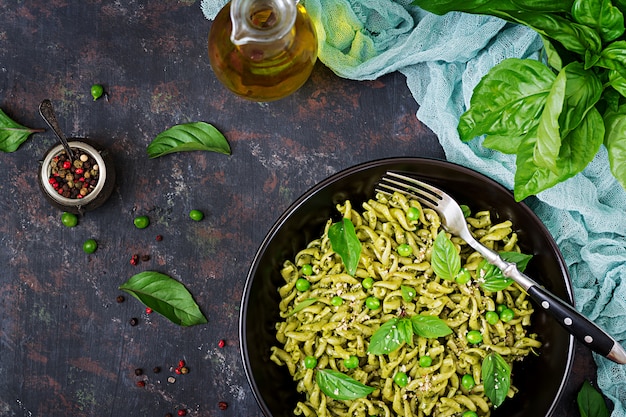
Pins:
x: 309, y: 193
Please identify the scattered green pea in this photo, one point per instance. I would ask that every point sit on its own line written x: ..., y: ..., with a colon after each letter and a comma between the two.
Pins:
x: 474, y: 337
x: 500, y: 308
x: 351, y: 363
x: 404, y: 249
x: 372, y: 303
x: 302, y: 284
x: 196, y: 215
x: 96, y: 91
x: 368, y: 283
x: 413, y: 214
x: 310, y: 362
x: 507, y: 315
x: 463, y: 277
x: 467, y: 382
x: 401, y: 379
x: 90, y: 246
x: 492, y: 317
x: 306, y: 269
x: 69, y: 219
x: 469, y: 413
x: 336, y: 301
x: 425, y: 361
x: 141, y: 222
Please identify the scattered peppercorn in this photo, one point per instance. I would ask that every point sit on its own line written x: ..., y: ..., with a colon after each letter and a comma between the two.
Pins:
x: 159, y: 238
x: 134, y: 260
x: 184, y: 370
x: 141, y: 384
x: 138, y: 371
x: 222, y: 405
x: 148, y: 310
x: 133, y: 321
x: 181, y: 363
x: 120, y: 299
x: 156, y: 369
x: 145, y: 258
x: 221, y: 343
x: 169, y: 415
x: 171, y: 379
x: 182, y: 412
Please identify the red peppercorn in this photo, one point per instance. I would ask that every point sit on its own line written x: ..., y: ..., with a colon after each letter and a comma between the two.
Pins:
x: 177, y: 370
x: 221, y: 343
x: 134, y: 260
x: 159, y: 238
x: 141, y: 384
x: 148, y: 310
x: 182, y: 412
x: 222, y: 405
x: 79, y: 171
x: 67, y: 165
x: 181, y: 363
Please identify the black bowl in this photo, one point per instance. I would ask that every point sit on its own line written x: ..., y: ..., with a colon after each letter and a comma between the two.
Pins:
x: 540, y: 379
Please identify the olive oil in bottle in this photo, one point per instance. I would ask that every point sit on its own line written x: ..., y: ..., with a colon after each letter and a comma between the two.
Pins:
x: 262, y: 50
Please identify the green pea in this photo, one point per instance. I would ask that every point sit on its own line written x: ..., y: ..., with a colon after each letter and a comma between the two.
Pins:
x: 196, y: 215
x: 310, y: 362
x: 368, y: 283
x: 492, y: 317
x: 413, y: 214
x: 69, y: 219
x: 467, y: 382
x: 336, y: 301
x: 96, y: 91
x: 372, y: 303
x: 501, y: 307
x: 507, y: 315
x: 425, y: 361
x: 302, y: 284
x: 306, y: 269
x: 404, y: 249
x: 401, y: 379
x: 469, y: 414
x: 141, y: 222
x: 90, y: 246
x: 474, y: 337
x: 463, y: 277
x: 351, y: 363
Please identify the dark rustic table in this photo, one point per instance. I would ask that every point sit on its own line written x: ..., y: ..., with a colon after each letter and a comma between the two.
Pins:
x: 66, y: 345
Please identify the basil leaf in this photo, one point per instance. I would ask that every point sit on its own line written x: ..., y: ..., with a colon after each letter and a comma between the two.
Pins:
x: 600, y: 15
x: 615, y: 123
x: 508, y: 100
x: 496, y: 375
x: 493, y: 7
x: 618, y: 82
x: 166, y: 296
x: 13, y: 134
x: 613, y: 57
x: 302, y: 305
x: 591, y: 402
x: 405, y: 326
x: 386, y: 339
x: 408, y: 293
x: 196, y: 136
x: 445, y: 260
x: 491, y: 277
x: 548, y: 133
x: 430, y: 327
x: 339, y: 386
x: 345, y: 243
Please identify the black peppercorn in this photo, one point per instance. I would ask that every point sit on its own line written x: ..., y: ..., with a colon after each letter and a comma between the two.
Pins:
x: 138, y: 371
x: 156, y: 370
x: 120, y: 299
x: 133, y: 321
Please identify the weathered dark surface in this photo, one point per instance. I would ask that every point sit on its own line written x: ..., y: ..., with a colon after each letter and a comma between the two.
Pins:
x: 66, y: 346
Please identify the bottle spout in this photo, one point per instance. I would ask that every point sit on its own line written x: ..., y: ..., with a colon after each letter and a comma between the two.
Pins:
x: 261, y: 21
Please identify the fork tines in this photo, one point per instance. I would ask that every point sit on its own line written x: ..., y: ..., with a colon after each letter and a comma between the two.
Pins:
x: 392, y: 182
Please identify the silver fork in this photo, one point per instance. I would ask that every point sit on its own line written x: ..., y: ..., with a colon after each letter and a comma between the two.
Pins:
x: 453, y: 220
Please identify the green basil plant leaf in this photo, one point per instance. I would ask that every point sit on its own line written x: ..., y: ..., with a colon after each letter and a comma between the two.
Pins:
x: 548, y: 133
x: 591, y: 402
x: 618, y: 82
x: 302, y: 305
x: 389, y: 337
x: 340, y: 386
x: 13, y: 134
x: 166, y: 296
x: 430, y: 327
x: 600, y: 15
x: 613, y: 57
x: 615, y: 123
x: 496, y: 376
x: 445, y: 260
x: 345, y: 243
x: 196, y: 136
x: 491, y: 277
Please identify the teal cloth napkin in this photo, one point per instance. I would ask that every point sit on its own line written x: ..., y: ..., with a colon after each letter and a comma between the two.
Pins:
x: 443, y: 58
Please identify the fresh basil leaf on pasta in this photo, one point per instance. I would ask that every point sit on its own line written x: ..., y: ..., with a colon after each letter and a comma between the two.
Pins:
x: 406, y: 330
x: 408, y: 293
x: 339, y: 386
x: 491, y: 277
x: 445, y: 260
x: 430, y: 327
x: 496, y: 374
x: 345, y: 242
x: 386, y: 339
x: 302, y: 305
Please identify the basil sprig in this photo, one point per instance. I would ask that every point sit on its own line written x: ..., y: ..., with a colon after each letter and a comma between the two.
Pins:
x: 340, y: 386
x: 345, y: 243
x: 166, y: 296
x: 397, y: 331
x: 445, y: 259
x: 554, y: 117
x: 196, y: 136
x: 13, y: 134
x: 496, y: 375
x: 591, y: 402
x: 491, y: 277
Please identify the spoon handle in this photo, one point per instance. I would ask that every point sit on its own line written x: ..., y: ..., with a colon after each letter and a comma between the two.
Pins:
x: 47, y: 112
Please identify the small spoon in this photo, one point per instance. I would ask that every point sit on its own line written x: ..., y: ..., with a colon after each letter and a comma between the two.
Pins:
x: 47, y: 112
